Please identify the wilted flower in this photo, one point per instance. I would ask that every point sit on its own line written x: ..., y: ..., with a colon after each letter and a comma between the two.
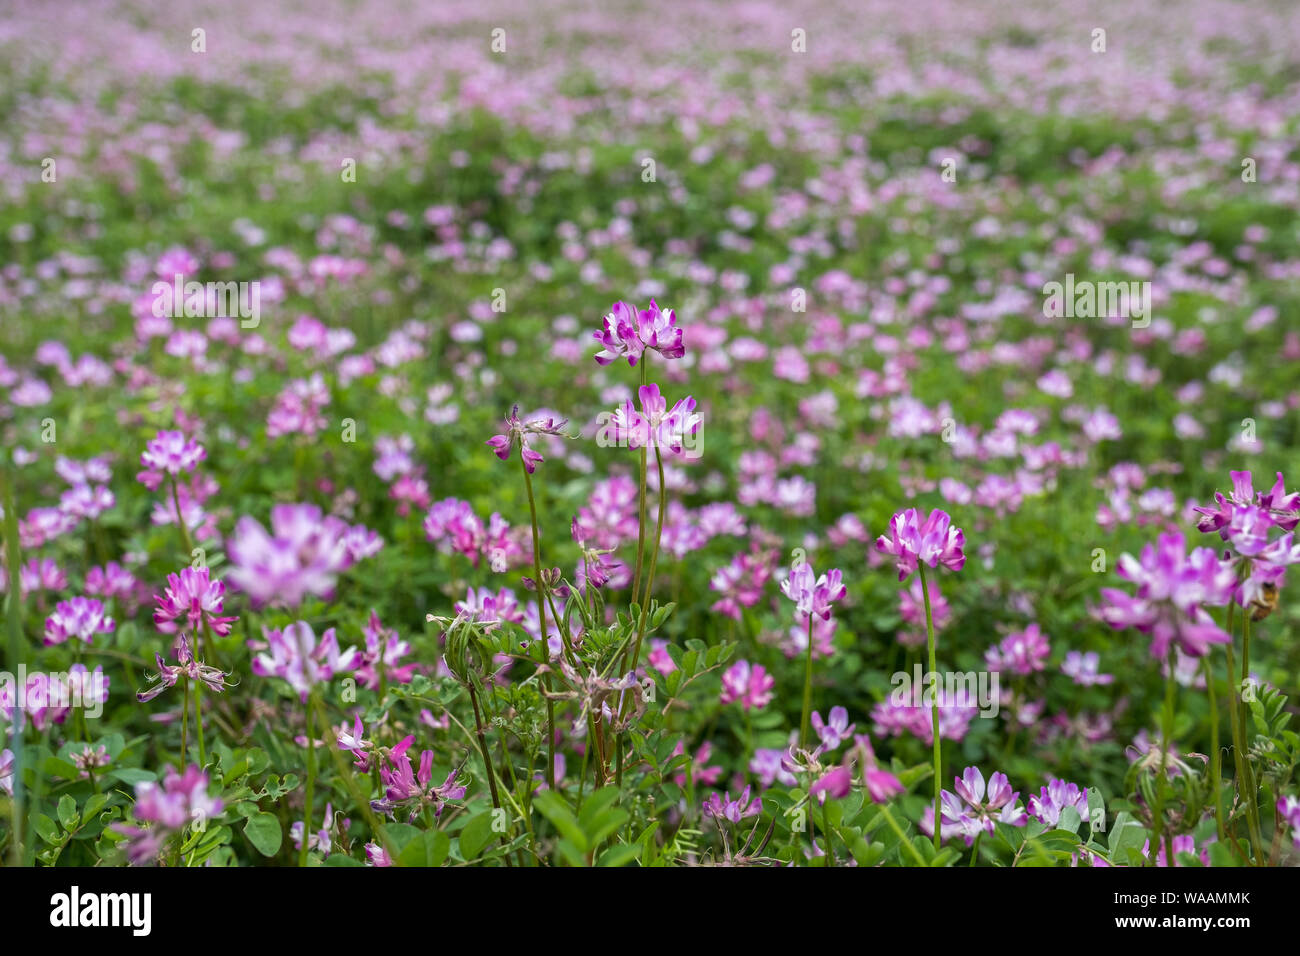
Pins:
x: 518, y: 432
x: 168, y: 674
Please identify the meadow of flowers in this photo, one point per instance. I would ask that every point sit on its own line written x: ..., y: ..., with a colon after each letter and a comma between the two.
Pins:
x: 568, y: 434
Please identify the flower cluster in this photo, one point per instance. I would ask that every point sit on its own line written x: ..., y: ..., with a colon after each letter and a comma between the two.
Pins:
x: 931, y: 541
x: 302, y: 554
x: 1173, y: 590
x: 294, y: 655
x: 181, y: 800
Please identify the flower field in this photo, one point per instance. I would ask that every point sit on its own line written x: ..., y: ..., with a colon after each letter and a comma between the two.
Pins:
x: 528, y: 434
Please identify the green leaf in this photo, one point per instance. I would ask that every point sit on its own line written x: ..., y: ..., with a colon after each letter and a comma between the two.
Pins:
x: 430, y: 850
x: 132, y: 775
x: 476, y: 835
x: 619, y: 854
x: 557, y: 811
x: 68, y: 812
x: 46, y: 829
x: 264, y: 832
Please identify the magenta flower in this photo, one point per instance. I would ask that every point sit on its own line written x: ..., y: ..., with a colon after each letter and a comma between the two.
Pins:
x: 834, y: 732
x: 1021, y: 652
x: 619, y: 336
x: 880, y: 784
x: 812, y: 595
x: 518, y: 432
x: 168, y: 674
x: 192, y: 595
x: 170, y: 454
x: 180, y: 801
x: 302, y: 555
x: 836, y: 782
x: 971, y: 810
x: 7, y: 771
x: 384, y: 649
x: 628, y: 332
x: 1085, y: 668
x: 1288, y: 812
x: 321, y: 839
x: 406, y: 786
x: 296, y: 657
x: 933, y: 541
x: 749, y: 684
x: 81, y: 618
x: 1173, y: 590
x: 1056, y: 796
x: 725, y: 808
x: 654, y: 426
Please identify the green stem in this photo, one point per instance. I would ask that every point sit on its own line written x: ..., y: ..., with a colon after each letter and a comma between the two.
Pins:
x: 487, y: 761
x: 543, y: 653
x: 1166, y: 742
x: 198, y: 721
x: 902, y: 837
x: 654, y: 561
x: 311, y: 784
x: 1216, y: 761
x: 807, y: 690
x: 934, y: 706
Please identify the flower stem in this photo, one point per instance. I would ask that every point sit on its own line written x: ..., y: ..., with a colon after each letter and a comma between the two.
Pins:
x: 1216, y: 761
x: 1166, y: 743
x: 198, y: 721
x: 487, y: 761
x: 807, y: 690
x: 541, y: 617
x: 902, y: 837
x: 934, y: 706
x: 311, y: 784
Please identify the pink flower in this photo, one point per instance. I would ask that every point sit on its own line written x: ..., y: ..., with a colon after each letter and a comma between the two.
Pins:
x: 627, y: 333
x: 933, y: 541
x: 188, y: 667
x: 654, y: 426
x: 303, y: 554
x: 1021, y: 652
x: 518, y: 432
x: 724, y: 808
x: 812, y: 595
x: 384, y: 648
x: 296, y: 656
x: 834, y: 732
x: 1173, y: 590
x: 403, y: 785
x: 749, y: 684
x: 170, y: 454
x: 192, y: 595
x: 81, y: 617
x: 180, y: 801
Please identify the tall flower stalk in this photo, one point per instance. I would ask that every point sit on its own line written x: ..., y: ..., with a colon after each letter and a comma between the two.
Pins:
x: 915, y: 542
x: 519, y: 433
